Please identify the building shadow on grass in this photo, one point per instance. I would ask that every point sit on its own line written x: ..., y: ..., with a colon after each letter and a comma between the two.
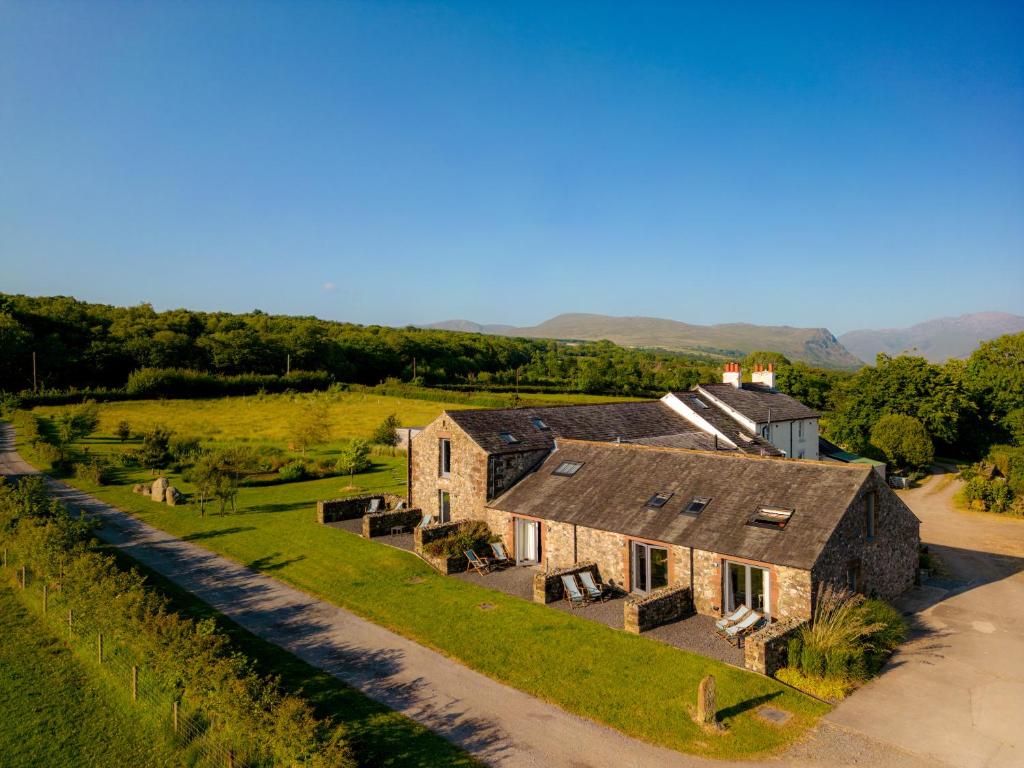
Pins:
x: 201, y: 535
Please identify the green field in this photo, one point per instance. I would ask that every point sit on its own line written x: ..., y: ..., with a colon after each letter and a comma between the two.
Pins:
x: 53, y: 713
x: 645, y: 692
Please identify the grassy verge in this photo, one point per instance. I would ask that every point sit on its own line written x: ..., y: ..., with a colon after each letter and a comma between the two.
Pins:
x: 52, y: 712
x: 378, y: 736
x: 636, y: 685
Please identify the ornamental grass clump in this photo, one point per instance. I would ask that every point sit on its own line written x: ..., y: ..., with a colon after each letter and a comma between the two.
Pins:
x: 849, y: 638
x: 470, y: 535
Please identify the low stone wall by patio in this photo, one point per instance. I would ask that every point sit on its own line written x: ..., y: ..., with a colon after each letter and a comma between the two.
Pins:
x: 661, y: 606
x: 547, y: 587
x: 421, y: 536
x: 381, y: 523
x: 333, y: 510
x: 765, y: 651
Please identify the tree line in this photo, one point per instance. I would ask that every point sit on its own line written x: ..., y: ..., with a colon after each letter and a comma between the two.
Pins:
x: 94, y: 346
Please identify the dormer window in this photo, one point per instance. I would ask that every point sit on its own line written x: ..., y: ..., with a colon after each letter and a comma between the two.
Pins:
x: 771, y: 517
x: 659, y: 500
x: 539, y: 424
x: 696, y: 505
x: 508, y: 438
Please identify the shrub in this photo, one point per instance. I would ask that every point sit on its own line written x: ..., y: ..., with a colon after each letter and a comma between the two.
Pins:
x: 93, y: 470
x: 156, y: 452
x: 184, y: 450
x: 385, y: 433
x: 812, y: 661
x: 353, y: 458
x: 828, y: 689
x: 295, y: 470
x: 128, y: 459
x: 469, y: 535
x: 123, y: 431
x: 794, y: 650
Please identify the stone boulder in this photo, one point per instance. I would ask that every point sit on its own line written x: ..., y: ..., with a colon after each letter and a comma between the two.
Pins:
x: 159, y: 488
x: 173, y: 496
x: 140, y: 488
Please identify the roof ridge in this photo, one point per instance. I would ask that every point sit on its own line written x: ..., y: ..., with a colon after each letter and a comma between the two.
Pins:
x: 736, y: 455
x: 471, y: 409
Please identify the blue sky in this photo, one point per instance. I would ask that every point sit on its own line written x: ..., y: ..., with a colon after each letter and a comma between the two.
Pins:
x: 815, y: 164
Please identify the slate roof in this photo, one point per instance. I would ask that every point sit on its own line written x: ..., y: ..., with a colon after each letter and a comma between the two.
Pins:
x: 720, y: 419
x: 754, y: 401
x: 605, y: 422
x: 611, y: 490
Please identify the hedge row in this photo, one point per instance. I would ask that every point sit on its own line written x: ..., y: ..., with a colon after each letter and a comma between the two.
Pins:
x: 261, y: 724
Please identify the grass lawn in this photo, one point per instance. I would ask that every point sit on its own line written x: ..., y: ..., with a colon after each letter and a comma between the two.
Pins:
x: 639, y: 686
x: 53, y: 713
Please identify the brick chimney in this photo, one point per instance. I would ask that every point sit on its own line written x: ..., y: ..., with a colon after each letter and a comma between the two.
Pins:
x: 764, y: 375
x: 732, y: 375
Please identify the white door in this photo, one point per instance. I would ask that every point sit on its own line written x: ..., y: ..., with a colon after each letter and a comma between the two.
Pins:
x: 527, y: 542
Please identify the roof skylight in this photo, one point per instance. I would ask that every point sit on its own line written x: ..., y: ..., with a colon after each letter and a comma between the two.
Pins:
x: 771, y: 517
x: 659, y: 500
x: 539, y: 423
x: 508, y: 438
x: 567, y: 468
x: 698, y: 402
x: 696, y: 505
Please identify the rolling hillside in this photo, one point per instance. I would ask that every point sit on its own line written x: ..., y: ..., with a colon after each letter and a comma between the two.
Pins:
x: 937, y: 340
x: 812, y: 345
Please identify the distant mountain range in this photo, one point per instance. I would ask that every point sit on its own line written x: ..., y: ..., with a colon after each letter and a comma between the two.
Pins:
x: 816, y: 346
x: 937, y: 340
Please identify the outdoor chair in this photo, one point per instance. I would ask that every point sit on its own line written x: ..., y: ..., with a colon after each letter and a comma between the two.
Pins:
x: 595, y: 590
x: 374, y: 506
x: 500, y: 555
x: 736, y: 632
x: 427, y: 520
x: 572, y: 591
x: 736, y: 616
x: 479, y: 564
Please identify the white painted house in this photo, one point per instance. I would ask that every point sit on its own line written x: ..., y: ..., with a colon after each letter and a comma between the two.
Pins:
x: 750, y: 416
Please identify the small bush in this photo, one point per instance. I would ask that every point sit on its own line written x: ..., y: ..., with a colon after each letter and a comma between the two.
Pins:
x: 828, y: 689
x: 93, y: 470
x: 295, y: 470
x: 123, y: 431
x: 128, y: 459
x: 470, y: 535
x: 184, y: 450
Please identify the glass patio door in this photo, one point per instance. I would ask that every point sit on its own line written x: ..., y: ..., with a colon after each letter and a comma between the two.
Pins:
x: 650, y: 567
x: 527, y: 541
x: 745, y: 585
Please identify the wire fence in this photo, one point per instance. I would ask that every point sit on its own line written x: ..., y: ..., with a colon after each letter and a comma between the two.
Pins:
x: 134, y: 686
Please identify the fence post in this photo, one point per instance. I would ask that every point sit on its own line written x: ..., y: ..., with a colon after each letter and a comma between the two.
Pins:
x: 46, y: 598
x: 69, y: 624
x: 99, y: 647
x: 135, y: 682
x: 23, y: 577
x: 175, y: 715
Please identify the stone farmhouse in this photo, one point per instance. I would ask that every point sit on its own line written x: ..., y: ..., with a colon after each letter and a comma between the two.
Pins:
x: 673, y: 492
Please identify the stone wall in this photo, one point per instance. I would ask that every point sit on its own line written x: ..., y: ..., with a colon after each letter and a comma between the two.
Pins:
x: 765, y: 651
x: 381, y: 523
x: 548, y: 588
x: 421, y: 536
x: 333, y: 510
x: 506, y: 469
x: 661, y: 606
x: 447, y: 565
x: 888, y: 562
x: 467, y: 481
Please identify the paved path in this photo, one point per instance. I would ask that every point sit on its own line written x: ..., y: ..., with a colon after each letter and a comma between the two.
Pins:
x: 955, y: 693
x: 500, y: 725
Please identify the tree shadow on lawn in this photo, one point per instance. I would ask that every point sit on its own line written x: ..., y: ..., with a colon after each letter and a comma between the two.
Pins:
x: 279, y: 507
x: 745, y: 706
x: 200, y: 535
x: 266, y: 563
